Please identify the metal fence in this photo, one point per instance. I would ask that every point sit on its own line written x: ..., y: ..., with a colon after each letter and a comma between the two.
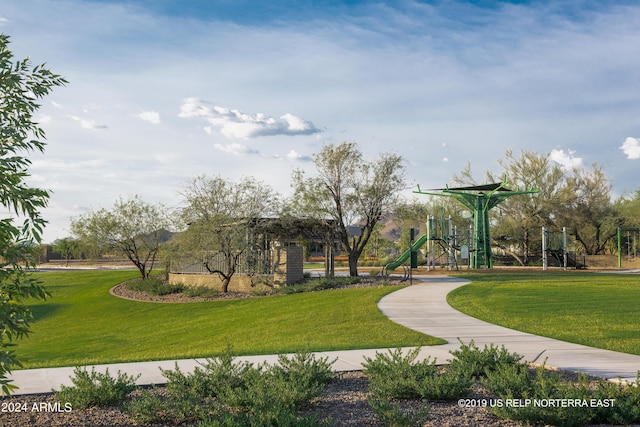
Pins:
x: 249, y: 262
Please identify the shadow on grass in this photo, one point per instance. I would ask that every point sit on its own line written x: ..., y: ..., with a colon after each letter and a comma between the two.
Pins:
x: 45, y: 310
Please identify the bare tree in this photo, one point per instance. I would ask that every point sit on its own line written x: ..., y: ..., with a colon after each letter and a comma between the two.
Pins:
x: 220, y: 215
x: 349, y: 191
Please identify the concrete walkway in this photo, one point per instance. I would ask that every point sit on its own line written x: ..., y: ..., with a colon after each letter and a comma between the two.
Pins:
x: 422, y: 307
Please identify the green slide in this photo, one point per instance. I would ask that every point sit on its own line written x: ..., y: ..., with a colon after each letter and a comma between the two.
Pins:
x: 405, y: 255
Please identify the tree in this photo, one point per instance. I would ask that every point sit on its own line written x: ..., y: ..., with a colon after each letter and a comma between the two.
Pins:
x: 132, y: 228
x: 20, y: 89
x: 628, y: 207
x: 350, y: 192
x: 67, y: 248
x: 590, y: 216
x: 221, y: 216
x: 521, y: 218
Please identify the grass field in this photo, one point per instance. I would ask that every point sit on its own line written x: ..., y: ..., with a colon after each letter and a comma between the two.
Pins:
x: 599, y: 310
x: 83, y: 324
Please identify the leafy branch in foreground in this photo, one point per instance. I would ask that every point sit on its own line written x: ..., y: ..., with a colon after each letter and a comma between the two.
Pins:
x: 20, y: 89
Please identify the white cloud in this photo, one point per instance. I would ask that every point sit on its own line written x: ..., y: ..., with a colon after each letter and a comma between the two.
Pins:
x: 150, y: 116
x: 4, y: 21
x: 235, y: 124
x: 235, y: 148
x: 88, y: 123
x: 294, y: 155
x: 566, y: 160
x: 631, y: 147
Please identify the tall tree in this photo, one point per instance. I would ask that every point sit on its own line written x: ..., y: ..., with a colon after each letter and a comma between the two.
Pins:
x: 21, y: 87
x: 590, y: 216
x: 520, y: 219
x: 221, y: 216
x: 133, y: 228
x: 628, y: 207
x: 349, y: 191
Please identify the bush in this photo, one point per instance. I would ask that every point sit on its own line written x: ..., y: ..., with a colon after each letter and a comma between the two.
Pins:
x: 279, y: 419
x: 223, y: 392
x: 515, y: 382
x: 147, y: 407
x: 392, y: 415
x: 505, y: 379
x: 96, y: 389
x: 399, y: 376
x: 470, y: 361
x: 200, y: 291
x: 626, y: 409
x: 545, y: 387
x: 395, y: 375
x: 300, y: 378
x: 154, y: 286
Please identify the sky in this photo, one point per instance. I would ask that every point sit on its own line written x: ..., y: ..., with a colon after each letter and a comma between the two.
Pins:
x: 161, y: 91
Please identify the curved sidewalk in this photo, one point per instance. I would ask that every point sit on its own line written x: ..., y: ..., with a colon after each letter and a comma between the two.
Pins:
x: 423, y: 307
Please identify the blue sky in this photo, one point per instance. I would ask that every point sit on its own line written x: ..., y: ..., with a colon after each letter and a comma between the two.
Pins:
x: 161, y: 91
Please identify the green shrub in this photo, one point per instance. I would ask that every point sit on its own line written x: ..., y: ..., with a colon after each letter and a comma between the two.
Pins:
x: 505, y: 379
x: 549, y: 387
x: 395, y: 375
x: 399, y: 376
x: 273, y: 419
x: 200, y: 291
x: 626, y: 406
x: 223, y: 392
x: 96, y: 389
x: 300, y: 378
x: 147, y: 408
x: 318, y: 284
x: 392, y: 415
x: 470, y: 361
x: 446, y: 385
x: 154, y: 286
x: 515, y: 382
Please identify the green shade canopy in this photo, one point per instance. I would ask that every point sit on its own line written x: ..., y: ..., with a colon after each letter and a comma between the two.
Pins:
x: 480, y: 203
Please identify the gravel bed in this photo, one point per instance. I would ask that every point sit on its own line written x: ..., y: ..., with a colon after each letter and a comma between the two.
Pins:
x: 122, y: 291
x: 344, y: 400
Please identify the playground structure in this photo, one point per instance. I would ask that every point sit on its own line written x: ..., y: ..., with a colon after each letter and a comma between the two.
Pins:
x: 559, y: 247
x: 480, y: 199
x: 628, y: 240
x: 442, y: 239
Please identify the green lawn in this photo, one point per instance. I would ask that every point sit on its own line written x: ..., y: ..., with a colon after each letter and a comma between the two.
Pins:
x: 599, y: 310
x: 83, y: 324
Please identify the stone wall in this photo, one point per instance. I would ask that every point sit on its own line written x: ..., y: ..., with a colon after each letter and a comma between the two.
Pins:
x: 239, y: 282
x: 289, y: 262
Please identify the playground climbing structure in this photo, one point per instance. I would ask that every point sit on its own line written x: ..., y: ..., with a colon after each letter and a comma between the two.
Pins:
x: 443, y: 240
x: 480, y: 200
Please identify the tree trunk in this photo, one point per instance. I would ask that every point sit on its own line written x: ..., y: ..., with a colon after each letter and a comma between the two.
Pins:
x: 353, y: 264
x: 225, y: 284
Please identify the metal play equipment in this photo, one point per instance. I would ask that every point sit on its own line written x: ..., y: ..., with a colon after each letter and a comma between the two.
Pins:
x: 480, y: 199
x: 561, y: 248
x: 440, y: 234
x: 628, y: 241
